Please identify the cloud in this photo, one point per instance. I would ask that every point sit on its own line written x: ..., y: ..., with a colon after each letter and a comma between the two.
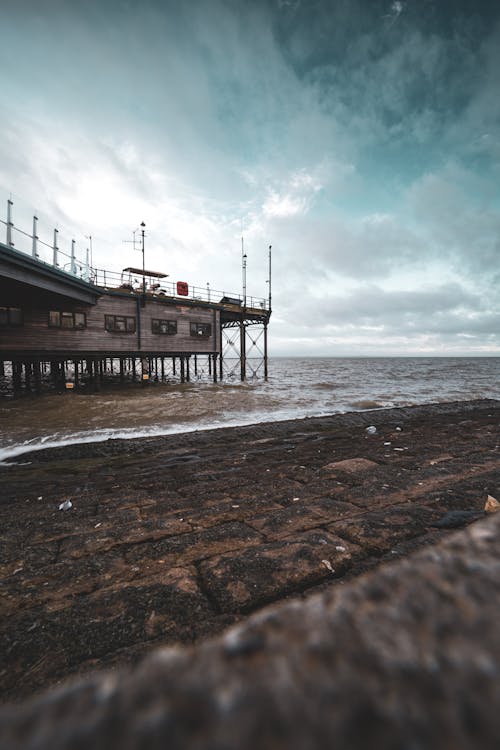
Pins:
x: 458, y: 210
x: 294, y: 197
x: 359, y: 139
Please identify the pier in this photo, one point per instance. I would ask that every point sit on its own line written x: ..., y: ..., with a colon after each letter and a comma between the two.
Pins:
x: 66, y: 325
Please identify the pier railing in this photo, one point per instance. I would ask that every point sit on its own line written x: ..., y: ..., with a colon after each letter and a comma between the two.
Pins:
x: 132, y: 282
x: 69, y: 258
x: 59, y: 253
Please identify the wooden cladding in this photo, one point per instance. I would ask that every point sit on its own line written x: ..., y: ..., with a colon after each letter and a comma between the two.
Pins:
x: 116, y: 323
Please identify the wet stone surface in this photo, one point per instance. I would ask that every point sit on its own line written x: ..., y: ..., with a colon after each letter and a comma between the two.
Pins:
x: 170, y: 540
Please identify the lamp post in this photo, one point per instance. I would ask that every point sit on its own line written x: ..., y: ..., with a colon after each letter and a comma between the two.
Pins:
x: 143, y: 226
x: 244, y: 272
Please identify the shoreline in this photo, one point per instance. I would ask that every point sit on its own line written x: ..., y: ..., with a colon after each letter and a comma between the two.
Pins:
x: 29, y: 451
x: 171, y: 539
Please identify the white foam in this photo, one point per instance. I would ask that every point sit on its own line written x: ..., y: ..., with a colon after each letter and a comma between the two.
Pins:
x: 100, y: 436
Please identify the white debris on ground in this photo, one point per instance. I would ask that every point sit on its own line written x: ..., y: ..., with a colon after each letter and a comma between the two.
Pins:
x: 492, y: 505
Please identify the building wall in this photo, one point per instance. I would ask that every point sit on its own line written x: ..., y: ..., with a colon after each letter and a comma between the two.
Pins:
x: 35, y: 335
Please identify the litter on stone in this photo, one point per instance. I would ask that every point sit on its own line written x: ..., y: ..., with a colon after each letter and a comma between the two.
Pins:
x: 371, y: 430
x: 492, y: 505
x: 66, y: 505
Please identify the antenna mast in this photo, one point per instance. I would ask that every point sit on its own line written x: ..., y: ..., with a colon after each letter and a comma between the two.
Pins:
x: 269, y: 279
x: 244, y: 272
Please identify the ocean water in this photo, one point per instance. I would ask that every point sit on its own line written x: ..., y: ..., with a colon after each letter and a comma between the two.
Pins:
x: 295, y: 388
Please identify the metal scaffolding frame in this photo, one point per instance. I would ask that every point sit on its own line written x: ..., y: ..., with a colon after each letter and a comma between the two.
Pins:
x: 244, y: 349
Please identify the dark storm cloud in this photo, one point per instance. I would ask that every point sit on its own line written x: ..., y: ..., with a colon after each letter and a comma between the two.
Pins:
x: 361, y: 139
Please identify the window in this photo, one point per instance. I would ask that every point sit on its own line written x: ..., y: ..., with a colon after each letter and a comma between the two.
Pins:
x: 119, y: 323
x: 168, y: 327
x: 11, y: 316
x: 200, y: 330
x: 68, y: 320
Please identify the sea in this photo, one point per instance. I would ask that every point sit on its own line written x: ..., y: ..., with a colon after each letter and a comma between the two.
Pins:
x: 295, y: 388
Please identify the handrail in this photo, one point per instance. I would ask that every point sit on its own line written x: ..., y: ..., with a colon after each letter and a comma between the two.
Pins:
x: 52, y: 255
x: 132, y: 283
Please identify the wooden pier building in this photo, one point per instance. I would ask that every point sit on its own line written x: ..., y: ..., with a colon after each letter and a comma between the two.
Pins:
x: 75, y: 330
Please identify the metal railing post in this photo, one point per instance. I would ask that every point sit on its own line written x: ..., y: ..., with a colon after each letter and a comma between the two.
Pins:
x: 72, y: 267
x: 35, y: 238
x: 9, y: 223
x: 87, y: 266
x: 55, y: 249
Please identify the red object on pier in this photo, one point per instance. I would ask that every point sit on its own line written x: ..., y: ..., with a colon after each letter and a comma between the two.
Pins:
x: 182, y: 288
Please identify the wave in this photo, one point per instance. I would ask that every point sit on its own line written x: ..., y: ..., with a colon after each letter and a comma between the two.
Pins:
x: 368, y: 404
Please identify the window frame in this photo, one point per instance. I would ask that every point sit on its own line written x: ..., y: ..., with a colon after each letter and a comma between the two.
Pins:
x: 170, y: 324
x: 129, y: 323
x: 69, y: 316
x: 200, y: 330
x: 10, y: 323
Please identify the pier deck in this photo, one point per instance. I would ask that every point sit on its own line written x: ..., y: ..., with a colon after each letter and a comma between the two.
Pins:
x: 67, y: 324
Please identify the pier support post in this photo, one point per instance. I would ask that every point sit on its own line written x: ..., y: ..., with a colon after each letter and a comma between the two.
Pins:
x: 88, y: 367
x: 243, y: 361
x: 54, y: 372
x: 188, y: 378
x: 95, y: 380
x: 182, y: 370
x: 27, y: 375
x: 16, y: 376
x: 265, y: 351
x: 37, y: 375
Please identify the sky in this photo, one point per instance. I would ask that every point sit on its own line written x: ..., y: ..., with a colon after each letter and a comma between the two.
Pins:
x: 359, y: 138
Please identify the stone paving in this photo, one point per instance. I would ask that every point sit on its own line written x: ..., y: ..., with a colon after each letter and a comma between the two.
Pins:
x: 170, y: 540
